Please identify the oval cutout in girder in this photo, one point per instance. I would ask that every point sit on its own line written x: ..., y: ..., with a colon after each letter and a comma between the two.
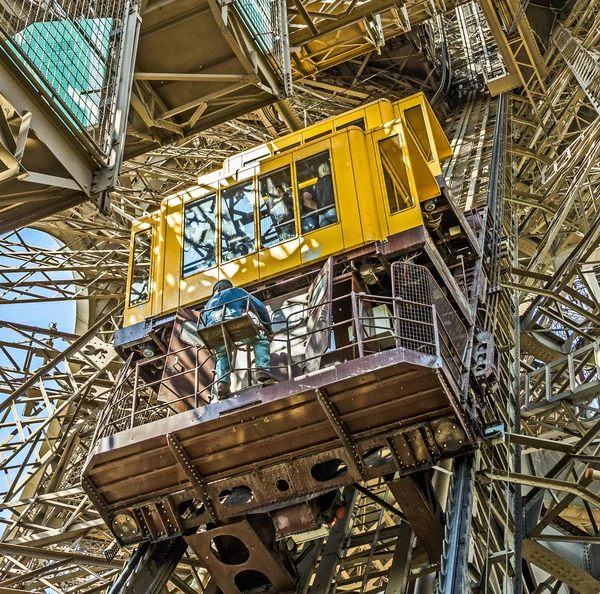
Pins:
x: 328, y: 470
x: 250, y: 580
x: 378, y: 456
x: 229, y: 550
x: 236, y: 496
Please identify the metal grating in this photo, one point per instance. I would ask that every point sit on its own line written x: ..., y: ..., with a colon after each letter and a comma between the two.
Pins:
x: 415, y: 317
x: 70, y: 50
x: 266, y: 20
x: 417, y: 291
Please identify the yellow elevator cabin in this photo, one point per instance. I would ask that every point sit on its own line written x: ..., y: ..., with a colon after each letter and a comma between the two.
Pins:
x: 384, y: 159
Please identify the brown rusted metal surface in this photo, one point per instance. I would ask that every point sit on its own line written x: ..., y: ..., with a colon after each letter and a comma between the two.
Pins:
x: 423, y: 514
x: 230, y: 561
x: 280, y: 432
x: 296, y: 518
x: 176, y: 383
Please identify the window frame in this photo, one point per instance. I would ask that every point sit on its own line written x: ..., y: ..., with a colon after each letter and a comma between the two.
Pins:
x: 130, y: 305
x: 397, y: 182
x: 187, y: 204
x: 414, y: 134
x: 309, y: 153
x: 296, y: 218
x: 219, y: 226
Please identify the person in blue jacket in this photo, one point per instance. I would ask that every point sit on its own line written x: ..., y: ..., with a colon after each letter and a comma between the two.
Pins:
x: 236, y: 300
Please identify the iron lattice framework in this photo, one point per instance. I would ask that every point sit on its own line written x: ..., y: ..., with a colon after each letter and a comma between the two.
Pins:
x: 528, y: 162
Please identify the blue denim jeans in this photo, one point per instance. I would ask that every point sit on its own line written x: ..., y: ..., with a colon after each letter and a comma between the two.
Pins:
x: 262, y: 358
x: 328, y: 217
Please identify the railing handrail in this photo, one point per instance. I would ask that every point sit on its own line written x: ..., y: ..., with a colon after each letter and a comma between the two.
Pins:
x: 131, y: 401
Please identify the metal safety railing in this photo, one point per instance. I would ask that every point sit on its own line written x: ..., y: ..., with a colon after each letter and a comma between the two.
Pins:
x: 417, y: 288
x: 583, y: 63
x: 71, y: 51
x: 266, y: 21
x: 417, y: 317
x: 576, y: 375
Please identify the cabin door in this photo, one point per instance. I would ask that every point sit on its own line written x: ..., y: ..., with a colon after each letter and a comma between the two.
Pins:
x: 318, y: 325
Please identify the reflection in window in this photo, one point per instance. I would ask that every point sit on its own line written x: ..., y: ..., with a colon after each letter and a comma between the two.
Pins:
x: 315, y: 192
x: 140, y: 276
x: 395, y: 175
x: 319, y: 290
x: 199, y: 250
x: 237, y: 222
x: 276, y: 208
x: 416, y: 124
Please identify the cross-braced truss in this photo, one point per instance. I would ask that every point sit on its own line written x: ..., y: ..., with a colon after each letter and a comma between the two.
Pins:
x: 540, y: 184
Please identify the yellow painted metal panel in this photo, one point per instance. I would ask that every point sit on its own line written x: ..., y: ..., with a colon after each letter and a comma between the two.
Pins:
x: 137, y: 313
x: 371, y: 214
x: 172, y: 213
x: 346, y: 191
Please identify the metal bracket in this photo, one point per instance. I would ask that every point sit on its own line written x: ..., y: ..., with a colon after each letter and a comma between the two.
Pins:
x: 192, y: 473
x: 341, y: 431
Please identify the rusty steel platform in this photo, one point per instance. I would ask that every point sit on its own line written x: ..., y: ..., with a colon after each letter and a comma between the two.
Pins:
x: 278, y: 444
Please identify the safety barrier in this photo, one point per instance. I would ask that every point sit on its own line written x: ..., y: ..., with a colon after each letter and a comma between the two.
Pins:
x: 417, y: 317
x: 70, y: 51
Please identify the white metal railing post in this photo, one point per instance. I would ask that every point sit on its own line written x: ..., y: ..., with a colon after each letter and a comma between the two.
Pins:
x: 571, y: 371
x: 134, y: 395
x: 357, y: 325
x: 436, y: 336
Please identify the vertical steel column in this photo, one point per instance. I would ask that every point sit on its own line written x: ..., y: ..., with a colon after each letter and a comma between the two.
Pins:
x: 398, y: 575
x: 105, y: 179
x: 516, y: 428
x: 333, y: 548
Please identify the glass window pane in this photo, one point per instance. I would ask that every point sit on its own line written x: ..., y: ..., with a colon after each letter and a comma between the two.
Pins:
x: 416, y: 124
x: 395, y: 175
x: 140, y: 276
x: 199, y: 250
x: 315, y: 192
x: 277, y: 222
x: 237, y: 222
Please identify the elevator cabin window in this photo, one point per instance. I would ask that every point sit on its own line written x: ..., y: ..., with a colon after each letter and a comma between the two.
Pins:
x: 315, y: 192
x: 277, y: 222
x: 237, y: 222
x: 395, y: 175
x: 140, y: 276
x: 199, y: 251
x: 416, y: 123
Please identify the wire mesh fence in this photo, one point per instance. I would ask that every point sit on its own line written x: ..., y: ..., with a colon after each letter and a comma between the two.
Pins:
x: 266, y: 20
x: 70, y: 50
x: 416, y: 291
x: 417, y: 317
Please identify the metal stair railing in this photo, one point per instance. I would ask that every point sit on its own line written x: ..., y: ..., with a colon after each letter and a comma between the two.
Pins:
x: 584, y: 64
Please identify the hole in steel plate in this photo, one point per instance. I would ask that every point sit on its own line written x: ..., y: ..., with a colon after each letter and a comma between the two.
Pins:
x: 238, y: 495
x: 190, y: 508
x: 249, y: 580
x: 229, y: 550
x: 328, y: 470
x: 379, y: 456
x: 282, y: 485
